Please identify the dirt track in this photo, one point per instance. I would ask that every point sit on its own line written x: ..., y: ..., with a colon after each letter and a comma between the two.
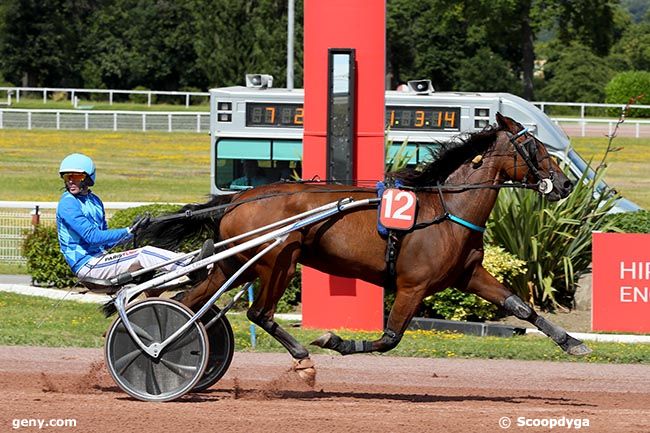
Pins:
x: 352, y: 394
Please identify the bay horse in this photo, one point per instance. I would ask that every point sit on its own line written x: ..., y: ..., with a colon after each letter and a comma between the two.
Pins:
x: 464, y: 180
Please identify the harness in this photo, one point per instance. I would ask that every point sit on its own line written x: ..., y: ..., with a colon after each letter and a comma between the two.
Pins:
x: 527, y: 150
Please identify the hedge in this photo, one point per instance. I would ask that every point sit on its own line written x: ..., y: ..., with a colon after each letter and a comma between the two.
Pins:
x: 631, y: 222
x: 625, y: 86
x: 45, y: 263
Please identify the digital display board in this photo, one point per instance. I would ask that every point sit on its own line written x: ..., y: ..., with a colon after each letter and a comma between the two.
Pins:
x: 413, y: 118
x: 423, y: 118
x: 274, y: 114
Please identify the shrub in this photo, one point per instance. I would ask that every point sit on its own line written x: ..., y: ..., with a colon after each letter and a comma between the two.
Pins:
x: 45, y: 263
x: 625, y: 86
x: 452, y: 304
x: 141, y: 98
x: 631, y: 222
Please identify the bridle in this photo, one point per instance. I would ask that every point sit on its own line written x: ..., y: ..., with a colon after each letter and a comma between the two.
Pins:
x: 528, y: 152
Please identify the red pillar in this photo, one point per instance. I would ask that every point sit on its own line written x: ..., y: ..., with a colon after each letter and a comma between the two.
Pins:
x: 328, y: 301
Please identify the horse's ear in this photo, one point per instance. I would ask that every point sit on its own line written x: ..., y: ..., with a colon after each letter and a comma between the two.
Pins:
x: 506, y: 123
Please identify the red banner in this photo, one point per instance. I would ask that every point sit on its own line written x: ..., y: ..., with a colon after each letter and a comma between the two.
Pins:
x: 621, y: 282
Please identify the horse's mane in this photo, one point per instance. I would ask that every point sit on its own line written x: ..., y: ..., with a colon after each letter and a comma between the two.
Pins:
x: 447, y: 157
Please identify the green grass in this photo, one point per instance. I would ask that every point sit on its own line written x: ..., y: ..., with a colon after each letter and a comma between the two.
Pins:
x: 12, y: 269
x: 134, y: 166
x: 33, y: 321
x: 627, y: 169
x: 76, y: 324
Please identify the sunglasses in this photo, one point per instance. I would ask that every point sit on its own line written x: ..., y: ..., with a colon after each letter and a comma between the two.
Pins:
x: 74, y: 177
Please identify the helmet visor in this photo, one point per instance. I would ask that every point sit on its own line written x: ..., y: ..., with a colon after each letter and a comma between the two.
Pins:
x: 73, y: 177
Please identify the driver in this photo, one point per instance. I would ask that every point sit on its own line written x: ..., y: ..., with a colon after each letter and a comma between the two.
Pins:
x: 84, y: 235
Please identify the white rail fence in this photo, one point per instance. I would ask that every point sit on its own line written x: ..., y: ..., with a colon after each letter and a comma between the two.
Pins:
x: 72, y: 94
x: 200, y: 122
x: 17, y: 219
x: 583, y: 106
x: 105, y: 120
x: 603, y: 127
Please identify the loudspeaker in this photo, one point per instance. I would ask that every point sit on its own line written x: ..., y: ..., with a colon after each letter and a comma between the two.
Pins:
x: 421, y: 87
x: 261, y: 81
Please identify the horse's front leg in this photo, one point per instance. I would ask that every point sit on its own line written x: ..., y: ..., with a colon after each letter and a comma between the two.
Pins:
x: 489, y: 288
x: 406, y: 303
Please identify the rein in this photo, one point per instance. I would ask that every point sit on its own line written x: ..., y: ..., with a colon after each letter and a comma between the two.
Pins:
x: 189, y: 213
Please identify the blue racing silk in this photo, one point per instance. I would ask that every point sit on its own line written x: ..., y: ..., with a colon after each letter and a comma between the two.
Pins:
x: 82, y: 229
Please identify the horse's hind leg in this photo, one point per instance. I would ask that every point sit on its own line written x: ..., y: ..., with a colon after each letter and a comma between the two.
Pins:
x: 275, y: 277
x: 488, y: 288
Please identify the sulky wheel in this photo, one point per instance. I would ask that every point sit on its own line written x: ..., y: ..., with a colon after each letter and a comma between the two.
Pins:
x: 179, y: 366
x: 222, y: 347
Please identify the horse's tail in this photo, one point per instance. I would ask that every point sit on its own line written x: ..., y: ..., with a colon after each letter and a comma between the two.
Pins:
x: 191, y: 222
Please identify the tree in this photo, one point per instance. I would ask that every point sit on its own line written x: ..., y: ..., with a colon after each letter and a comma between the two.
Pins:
x: 586, y: 21
x: 576, y: 74
x: 133, y: 43
x: 487, y: 72
x: 235, y: 37
x: 426, y: 39
x: 39, y: 42
x: 634, y: 46
x: 436, y: 36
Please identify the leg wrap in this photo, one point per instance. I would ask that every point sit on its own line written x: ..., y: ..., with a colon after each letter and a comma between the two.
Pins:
x: 347, y: 347
x: 556, y: 333
x: 523, y: 311
x: 514, y: 305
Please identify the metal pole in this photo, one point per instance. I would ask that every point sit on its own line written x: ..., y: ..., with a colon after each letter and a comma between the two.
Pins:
x: 36, y: 217
x: 290, y: 19
x: 251, y: 298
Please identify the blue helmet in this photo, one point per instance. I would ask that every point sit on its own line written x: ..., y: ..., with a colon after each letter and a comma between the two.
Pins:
x: 78, y: 163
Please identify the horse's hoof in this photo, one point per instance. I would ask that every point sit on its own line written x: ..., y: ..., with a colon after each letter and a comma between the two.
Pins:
x: 305, y: 370
x: 326, y: 341
x: 575, y: 347
x: 579, y: 350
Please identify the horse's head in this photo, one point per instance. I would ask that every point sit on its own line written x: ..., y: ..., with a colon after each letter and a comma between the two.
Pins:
x: 532, y: 162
